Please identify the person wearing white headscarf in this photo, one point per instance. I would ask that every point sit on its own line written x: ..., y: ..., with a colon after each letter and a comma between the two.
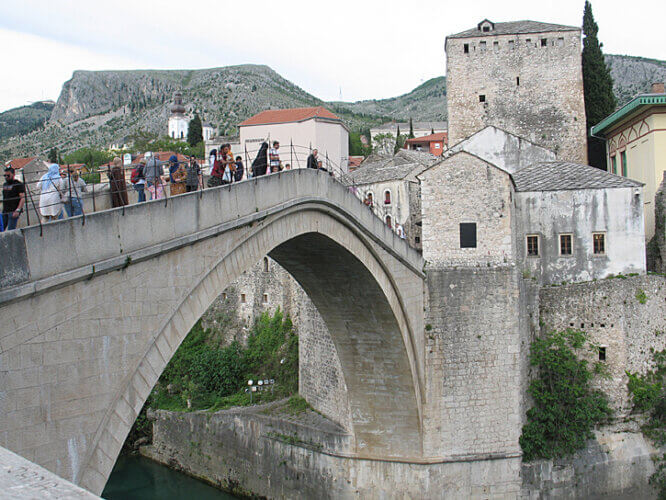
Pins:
x: 50, y: 204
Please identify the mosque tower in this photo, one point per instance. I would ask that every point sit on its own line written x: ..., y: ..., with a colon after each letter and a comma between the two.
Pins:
x: 178, y: 122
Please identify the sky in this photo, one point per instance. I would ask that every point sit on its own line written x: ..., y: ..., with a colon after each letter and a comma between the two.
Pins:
x: 348, y: 50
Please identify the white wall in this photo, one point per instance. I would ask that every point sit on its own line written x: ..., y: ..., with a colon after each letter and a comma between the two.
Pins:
x: 618, y: 212
x: 178, y: 127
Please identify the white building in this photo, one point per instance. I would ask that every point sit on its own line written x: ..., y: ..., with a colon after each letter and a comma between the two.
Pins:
x: 421, y: 129
x: 207, y: 131
x: 299, y: 130
x: 178, y: 122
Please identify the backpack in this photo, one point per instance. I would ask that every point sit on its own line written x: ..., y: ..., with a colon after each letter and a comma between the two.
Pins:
x: 136, y: 174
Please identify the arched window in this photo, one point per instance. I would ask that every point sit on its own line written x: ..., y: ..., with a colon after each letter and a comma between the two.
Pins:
x: 388, y: 221
x: 265, y: 264
x: 387, y: 197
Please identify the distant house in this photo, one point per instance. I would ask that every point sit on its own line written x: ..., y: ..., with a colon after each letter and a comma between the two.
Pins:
x: 421, y: 129
x: 355, y: 162
x: 636, y: 144
x: 207, y: 131
x: 432, y: 143
x: 304, y: 128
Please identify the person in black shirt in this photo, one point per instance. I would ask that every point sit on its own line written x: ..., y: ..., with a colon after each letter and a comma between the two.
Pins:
x: 312, y: 159
x: 13, y: 200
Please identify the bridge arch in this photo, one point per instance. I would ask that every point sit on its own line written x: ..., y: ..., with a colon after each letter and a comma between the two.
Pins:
x: 356, y: 275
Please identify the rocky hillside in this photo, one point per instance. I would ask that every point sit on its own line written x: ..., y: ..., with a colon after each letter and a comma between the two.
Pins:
x: 99, y: 108
x: 634, y: 75
x: 24, y: 119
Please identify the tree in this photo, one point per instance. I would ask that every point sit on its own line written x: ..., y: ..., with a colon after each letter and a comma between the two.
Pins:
x: 195, y: 131
x: 53, y: 155
x: 598, y: 87
x: 399, y: 141
x: 383, y: 144
x: 411, y: 129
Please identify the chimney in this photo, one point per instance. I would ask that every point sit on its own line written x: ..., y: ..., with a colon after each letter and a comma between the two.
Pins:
x: 658, y: 88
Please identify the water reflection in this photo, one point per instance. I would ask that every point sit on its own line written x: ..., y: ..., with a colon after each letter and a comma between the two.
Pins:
x: 142, y: 479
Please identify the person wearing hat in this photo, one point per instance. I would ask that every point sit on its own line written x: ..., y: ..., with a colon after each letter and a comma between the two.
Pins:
x: 13, y: 200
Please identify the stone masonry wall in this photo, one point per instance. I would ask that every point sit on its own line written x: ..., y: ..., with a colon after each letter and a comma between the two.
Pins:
x: 265, y: 288
x: 530, y: 90
x: 627, y: 315
x: 464, y: 188
x: 474, y: 336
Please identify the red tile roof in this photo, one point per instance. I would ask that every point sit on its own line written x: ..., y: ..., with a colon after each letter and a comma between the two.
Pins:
x: 19, y: 163
x: 442, y: 136
x: 354, y: 162
x: 289, y: 116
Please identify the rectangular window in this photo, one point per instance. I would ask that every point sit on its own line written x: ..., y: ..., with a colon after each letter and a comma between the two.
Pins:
x: 265, y: 298
x: 533, y: 245
x: 467, y: 235
x: 602, y: 353
x: 243, y: 300
x: 482, y: 46
x: 599, y: 243
x: 224, y: 296
x: 512, y: 44
x: 437, y: 145
x: 614, y: 164
x: 417, y: 239
x: 623, y: 160
x: 496, y: 46
x: 517, y: 81
x: 566, y: 244
x: 560, y: 42
x: 482, y: 98
x: 466, y: 48
x: 544, y: 42
x: 528, y: 41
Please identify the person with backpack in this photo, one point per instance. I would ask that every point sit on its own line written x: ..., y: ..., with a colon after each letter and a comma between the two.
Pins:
x: 138, y: 179
x: 193, y: 179
x: 223, y: 167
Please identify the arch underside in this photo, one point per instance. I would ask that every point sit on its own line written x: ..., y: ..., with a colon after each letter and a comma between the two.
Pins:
x: 355, y: 294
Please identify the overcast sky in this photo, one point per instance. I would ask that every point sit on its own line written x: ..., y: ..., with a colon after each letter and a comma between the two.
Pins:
x: 351, y: 49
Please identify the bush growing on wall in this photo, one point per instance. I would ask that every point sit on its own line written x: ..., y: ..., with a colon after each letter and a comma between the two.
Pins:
x: 566, y: 408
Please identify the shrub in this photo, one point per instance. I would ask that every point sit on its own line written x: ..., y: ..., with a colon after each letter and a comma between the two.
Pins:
x: 566, y: 408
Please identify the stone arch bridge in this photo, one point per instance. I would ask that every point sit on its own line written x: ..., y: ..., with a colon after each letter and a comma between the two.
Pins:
x: 91, y: 312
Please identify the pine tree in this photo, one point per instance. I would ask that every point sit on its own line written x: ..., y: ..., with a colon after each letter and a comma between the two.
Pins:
x: 53, y: 155
x: 598, y: 87
x: 411, y: 129
x: 397, y: 146
x: 195, y: 131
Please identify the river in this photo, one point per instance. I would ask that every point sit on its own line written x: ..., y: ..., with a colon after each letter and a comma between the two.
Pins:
x: 139, y: 478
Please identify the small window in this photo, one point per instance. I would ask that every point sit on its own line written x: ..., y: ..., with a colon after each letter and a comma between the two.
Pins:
x: 533, y: 245
x: 438, y: 145
x: 486, y: 28
x: 623, y: 161
x: 560, y: 42
x: 265, y: 264
x: 243, y: 299
x: 602, y: 353
x: 599, y: 243
x: 264, y: 299
x: 482, y: 46
x: 482, y: 98
x: 544, y: 42
x: 467, y: 235
x: 512, y: 44
x: 496, y: 46
x: 528, y: 41
x: 566, y: 244
x: 387, y: 197
x: 614, y: 164
x: 417, y: 239
x: 466, y: 48
x: 389, y: 222
x: 517, y: 81
x: 224, y: 295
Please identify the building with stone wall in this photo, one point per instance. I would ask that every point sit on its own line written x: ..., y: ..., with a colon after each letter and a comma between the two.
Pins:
x: 524, y: 77
x: 395, y: 190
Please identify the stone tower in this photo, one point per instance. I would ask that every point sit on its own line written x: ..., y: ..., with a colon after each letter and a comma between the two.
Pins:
x: 524, y: 77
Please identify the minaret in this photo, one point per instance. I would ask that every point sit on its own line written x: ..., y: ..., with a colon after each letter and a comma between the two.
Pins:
x: 178, y: 124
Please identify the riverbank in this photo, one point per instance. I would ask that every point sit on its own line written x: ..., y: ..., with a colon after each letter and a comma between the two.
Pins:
x: 273, y: 451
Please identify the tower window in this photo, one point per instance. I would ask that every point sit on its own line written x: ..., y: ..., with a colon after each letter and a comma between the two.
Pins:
x: 482, y: 98
x: 512, y: 44
x: 243, y: 298
x: 599, y: 243
x: 265, y: 264
x: 466, y: 48
x: 544, y: 42
x: 486, y: 28
x: 496, y: 46
x: 467, y: 235
x: 265, y: 298
x: 602, y: 353
x: 566, y: 244
x: 482, y: 45
x: 528, y: 41
x: 533, y: 245
x: 517, y: 81
x: 560, y: 42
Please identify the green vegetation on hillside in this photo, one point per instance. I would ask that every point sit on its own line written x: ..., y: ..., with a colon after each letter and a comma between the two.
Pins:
x: 23, y: 120
x: 566, y: 408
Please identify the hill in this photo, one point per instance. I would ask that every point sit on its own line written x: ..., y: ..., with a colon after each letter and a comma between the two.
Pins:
x: 634, y: 75
x: 25, y: 119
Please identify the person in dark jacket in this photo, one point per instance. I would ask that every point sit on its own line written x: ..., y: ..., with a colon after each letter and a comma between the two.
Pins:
x: 238, y: 174
x: 260, y: 163
x: 312, y: 159
x: 117, y: 183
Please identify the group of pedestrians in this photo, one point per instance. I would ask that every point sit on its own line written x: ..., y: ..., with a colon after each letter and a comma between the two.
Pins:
x: 149, y: 176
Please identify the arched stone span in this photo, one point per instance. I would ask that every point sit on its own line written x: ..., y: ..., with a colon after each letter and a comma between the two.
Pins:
x: 356, y: 272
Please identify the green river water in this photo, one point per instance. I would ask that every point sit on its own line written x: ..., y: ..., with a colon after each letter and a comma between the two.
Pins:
x: 138, y: 478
